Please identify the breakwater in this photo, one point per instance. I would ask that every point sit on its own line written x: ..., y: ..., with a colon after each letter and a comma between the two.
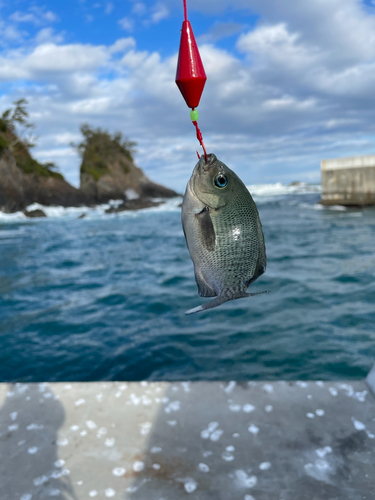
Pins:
x: 348, y: 181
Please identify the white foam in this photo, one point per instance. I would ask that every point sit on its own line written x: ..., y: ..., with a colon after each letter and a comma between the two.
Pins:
x: 62, y: 442
x: 358, y: 425
x: 228, y: 457
x: 253, y: 429
x: 278, y: 189
x: 190, y: 486
x: 138, y: 466
x: 203, y: 467
x: 109, y: 442
x: 145, y: 428
x: 322, y: 452
x: 234, y: 407
x: 98, y: 212
x: 248, y: 408
x: 118, y: 471
x: 245, y: 480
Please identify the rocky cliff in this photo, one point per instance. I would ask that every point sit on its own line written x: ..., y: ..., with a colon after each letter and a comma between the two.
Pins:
x: 108, y: 170
x: 18, y: 189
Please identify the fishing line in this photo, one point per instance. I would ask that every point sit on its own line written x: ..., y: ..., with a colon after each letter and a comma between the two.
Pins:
x: 190, y: 75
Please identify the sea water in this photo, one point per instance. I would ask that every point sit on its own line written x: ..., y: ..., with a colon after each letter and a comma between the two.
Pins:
x: 104, y: 297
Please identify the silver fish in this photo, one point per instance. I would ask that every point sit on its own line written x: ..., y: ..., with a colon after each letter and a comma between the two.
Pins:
x: 223, y: 233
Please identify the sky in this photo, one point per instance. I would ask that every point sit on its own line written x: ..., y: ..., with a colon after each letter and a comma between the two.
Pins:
x: 289, y: 83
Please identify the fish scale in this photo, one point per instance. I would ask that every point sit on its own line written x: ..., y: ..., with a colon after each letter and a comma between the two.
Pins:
x: 223, y: 233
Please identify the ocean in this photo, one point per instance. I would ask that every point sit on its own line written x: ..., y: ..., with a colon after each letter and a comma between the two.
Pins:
x: 104, y: 297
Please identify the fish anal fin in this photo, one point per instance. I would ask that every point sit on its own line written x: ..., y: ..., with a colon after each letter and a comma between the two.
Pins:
x: 260, y: 269
x: 204, y: 290
x: 206, y: 229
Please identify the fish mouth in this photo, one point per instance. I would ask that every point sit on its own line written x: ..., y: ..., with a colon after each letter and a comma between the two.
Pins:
x: 207, y: 165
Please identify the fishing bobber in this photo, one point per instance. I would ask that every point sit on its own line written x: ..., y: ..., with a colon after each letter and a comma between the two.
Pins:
x: 190, y: 75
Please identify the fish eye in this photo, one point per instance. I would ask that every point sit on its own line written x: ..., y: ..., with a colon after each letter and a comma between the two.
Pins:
x: 221, y: 181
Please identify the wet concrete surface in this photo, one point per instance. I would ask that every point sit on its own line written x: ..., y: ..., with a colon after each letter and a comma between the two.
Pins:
x: 202, y: 441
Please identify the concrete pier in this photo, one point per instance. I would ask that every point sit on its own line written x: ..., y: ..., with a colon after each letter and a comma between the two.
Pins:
x: 201, y: 440
x: 348, y: 181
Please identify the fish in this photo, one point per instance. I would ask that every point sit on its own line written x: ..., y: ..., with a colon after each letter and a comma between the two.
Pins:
x: 223, y: 233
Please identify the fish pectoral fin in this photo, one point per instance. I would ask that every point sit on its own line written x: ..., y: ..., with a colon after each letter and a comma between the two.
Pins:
x: 204, y: 290
x: 206, y: 229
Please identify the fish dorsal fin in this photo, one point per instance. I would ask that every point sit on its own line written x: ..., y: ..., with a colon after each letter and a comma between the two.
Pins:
x: 206, y: 229
x: 203, y: 289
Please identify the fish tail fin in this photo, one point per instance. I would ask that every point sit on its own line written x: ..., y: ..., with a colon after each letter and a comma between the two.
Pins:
x: 258, y: 293
x: 217, y: 301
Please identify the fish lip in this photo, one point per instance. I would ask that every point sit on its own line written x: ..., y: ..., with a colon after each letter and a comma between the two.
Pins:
x: 201, y: 167
x: 207, y: 165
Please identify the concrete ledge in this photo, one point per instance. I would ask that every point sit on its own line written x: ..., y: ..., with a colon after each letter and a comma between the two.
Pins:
x: 348, y: 181
x: 349, y: 162
x: 202, y: 440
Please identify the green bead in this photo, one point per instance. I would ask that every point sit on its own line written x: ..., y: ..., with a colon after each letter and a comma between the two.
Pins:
x: 194, y: 115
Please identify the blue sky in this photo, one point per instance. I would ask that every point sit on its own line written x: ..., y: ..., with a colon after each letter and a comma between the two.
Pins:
x: 289, y: 83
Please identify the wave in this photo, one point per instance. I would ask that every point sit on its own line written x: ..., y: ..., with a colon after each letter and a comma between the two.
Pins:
x: 261, y: 193
x: 59, y: 212
x: 278, y: 189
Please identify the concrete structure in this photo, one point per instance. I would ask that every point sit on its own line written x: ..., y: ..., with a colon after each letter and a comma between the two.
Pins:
x: 201, y: 441
x: 348, y: 181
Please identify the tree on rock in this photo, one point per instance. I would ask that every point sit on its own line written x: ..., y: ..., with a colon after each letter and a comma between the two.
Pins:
x: 108, y: 171
x: 99, y: 147
x: 16, y: 134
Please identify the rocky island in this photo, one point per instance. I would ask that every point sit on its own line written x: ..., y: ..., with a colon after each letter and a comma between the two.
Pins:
x: 107, y: 171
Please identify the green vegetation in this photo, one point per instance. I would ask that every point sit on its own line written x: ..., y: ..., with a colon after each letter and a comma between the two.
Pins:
x: 20, y: 142
x: 99, y: 147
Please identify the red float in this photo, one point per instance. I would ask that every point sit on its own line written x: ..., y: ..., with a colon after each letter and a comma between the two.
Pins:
x: 190, y: 75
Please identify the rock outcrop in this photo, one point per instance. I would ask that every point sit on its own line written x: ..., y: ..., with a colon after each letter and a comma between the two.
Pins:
x: 32, y: 214
x: 123, y: 181
x: 108, y: 171
x: 18, y: 190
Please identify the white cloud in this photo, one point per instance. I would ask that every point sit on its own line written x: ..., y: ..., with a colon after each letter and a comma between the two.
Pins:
x: 122, y: 45
x: 51, y: 58
x: 287, y: 102
x: 35, y: 15
x: 22, y: 17
x: 48, y: 35
x: 160, y: 12
x: 219, y: 31
x: 109, y: 8
x: 126, y: 23
x: 139, y: 8
x: 10, y: 33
